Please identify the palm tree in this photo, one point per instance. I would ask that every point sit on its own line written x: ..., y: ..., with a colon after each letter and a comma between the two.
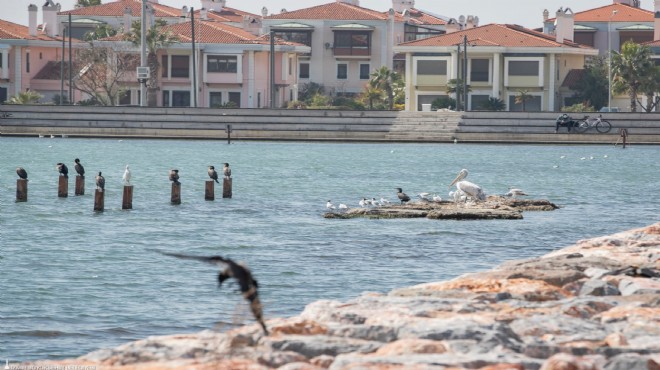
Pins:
x: 100, y: 32
x: 372, y: 94
x: 386, y: 80
x: 455, y: 86
x: 86, y: 3
x: 630, y: 68
x: 27, y: 97
x: 522, y: 98
x: 156, y: 38
x: 493, y: 104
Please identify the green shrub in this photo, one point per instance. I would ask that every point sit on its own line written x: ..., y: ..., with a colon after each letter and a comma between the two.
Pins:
x: 443, y: 102
x: 580, y: 107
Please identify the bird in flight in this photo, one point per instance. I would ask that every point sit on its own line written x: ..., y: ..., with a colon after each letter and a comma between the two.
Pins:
x: 248, y: 285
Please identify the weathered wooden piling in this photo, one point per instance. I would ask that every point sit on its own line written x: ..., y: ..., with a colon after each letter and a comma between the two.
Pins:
x: 99, y: 200
x: 226, y: 188
x: 228, y: 130
x: 176, y: 193
x: 127, y: 199
x: 80, y: 185
x: 63, y: 187
x: 209, y: 194
x: 21, y: 190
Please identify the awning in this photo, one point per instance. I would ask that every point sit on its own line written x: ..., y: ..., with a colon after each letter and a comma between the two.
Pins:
x: 636, y: 27
x: 353, y: 27
x: 293, y: 26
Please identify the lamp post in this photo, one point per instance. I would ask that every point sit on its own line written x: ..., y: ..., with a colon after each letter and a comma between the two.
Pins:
x: 609, y: 62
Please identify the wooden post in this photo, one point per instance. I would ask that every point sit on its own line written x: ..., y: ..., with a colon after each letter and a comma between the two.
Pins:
x: 624, y: 135
x: 63, y: 188
x: 228, y: 129
x: 80, y: 185
x: 127, y: 200
x: 176, y: 193
x: 99, y: 200
x: 209, y: 194
x: 21, y: 190
x: 226, y: 188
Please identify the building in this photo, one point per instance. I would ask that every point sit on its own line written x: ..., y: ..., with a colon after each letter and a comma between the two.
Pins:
x: 502, y: 60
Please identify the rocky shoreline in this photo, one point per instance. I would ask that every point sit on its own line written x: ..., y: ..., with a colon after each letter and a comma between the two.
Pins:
x: 593, y: 305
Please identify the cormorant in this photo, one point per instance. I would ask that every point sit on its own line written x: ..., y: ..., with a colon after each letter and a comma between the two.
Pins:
x: 174, y: 176
x: 213, y: 174
x: 100, y: 182
x: 63, y: 169
x: 79, y: 167
x: 20, y: 171
x: 402, y: 196
x: 226, y: 171
x: 241, y: 273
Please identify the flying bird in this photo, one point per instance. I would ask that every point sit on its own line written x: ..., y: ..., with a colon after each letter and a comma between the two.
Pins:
x: 248, y: 285
x: 79, y: 167
x: 402, y: 196
x: 100, y: 182
x: 20, y: 171
x: 226, y: 171
x: 213, y: 174
x: 470, y: 189
x: 174, y: 176
x: 127, y: 176
x: 63, y: 169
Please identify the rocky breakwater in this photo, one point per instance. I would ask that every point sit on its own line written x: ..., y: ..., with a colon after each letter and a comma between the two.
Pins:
x: 593, y: 305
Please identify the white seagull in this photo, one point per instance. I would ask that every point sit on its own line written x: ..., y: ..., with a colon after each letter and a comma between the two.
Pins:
x: 342, y: 206
x: 384, y: 201
x: 363, y: 202
x: 127, y: 176
x: 329, y: 205
x: 513, y: 193
x: 437, y: 198
x: 424, y: 196
x: 470, y: 189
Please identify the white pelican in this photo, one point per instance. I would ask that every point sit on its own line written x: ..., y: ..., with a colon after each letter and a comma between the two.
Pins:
x: 329, y: 205
x: 127, y: 176
x: 513, y: 193
x: 470, y: 189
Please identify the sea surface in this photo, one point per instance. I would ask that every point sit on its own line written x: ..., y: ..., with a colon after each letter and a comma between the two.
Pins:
x: 73, y: 280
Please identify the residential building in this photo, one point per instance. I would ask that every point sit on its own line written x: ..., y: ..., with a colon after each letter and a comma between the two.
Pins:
x: 502, y: 60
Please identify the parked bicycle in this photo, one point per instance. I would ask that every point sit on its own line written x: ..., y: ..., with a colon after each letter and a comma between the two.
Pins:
x: 598, y: 123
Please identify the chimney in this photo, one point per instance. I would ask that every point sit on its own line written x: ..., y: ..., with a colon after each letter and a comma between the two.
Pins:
x: 546, y: 15
x: 470, y: 22
x: 400, y: 5
x: 128, y: 20
x: 264, y: 12
x: 203, y: 14
x: 633, y: 3
x: 452, y: 26
x: 213, y: 5
x: 656, y: 24
x: 50, y: 18
x: 352, y: 2
x: 32, y: 21
x: 564, y: 25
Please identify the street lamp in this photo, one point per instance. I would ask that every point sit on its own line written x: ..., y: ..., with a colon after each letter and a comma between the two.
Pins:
x: 609, y: 62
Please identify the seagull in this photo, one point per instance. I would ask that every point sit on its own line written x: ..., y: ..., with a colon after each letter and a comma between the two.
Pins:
x: 424, y: 196
x: 363, y: 202
x: 329, y: 205
x: 375, y: 203
x: 79, y: 167
x: 63, y: 169
x: 20, y: 171
x: 342, y: 206
x: 248, y: 285
x: 402, y: 196
x: 100, y: 182
x: 127, y: 176
x: 174, y: 176
x: 213, y: 174
x: 437, y: 198
x: 513, y: 193
x: 384, y: 201
x: 468, y: 188
x: 226, y: 171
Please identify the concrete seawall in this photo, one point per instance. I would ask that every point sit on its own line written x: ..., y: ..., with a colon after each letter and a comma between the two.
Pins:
x: 314, y: 125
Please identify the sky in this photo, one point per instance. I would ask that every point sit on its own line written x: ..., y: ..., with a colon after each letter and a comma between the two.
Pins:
x: 527, y: 13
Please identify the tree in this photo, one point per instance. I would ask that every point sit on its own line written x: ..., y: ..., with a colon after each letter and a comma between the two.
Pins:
x: 522, y: 97
x: 493, y: 104
x: 386, y: 80
x: 630, y: 69
x: 156, y: 39
x: 100, y: 32
x: 86, y: 3
x: 592, y: 85
x: 26, y: 97
x: 455, y: 86
x: 372, y: 94
x: 308, y: 90
x: 650, y: 88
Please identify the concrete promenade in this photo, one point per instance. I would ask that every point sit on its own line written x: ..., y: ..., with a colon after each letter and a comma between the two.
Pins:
x: 315, y: 125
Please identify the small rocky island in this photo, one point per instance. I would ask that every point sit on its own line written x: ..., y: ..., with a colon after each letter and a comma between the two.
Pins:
x: 494, y: 207
x: 594, y: 305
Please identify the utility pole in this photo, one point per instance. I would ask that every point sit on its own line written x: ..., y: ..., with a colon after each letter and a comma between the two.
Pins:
x: 272, y: 69
x: 70, y: 64
x: 194, y: 63
x: 465, y: 74
x: 143, y: 51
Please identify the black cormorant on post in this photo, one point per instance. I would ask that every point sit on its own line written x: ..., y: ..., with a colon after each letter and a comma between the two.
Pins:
x: 63, y: 169
x: 402, y: 196
x: 20, y: 171
x: 213, y: 174
x: 226, y: 171
x: 174, y: 176
x: 79, y: 167
x: 100, y: 182
x: 241, y: 273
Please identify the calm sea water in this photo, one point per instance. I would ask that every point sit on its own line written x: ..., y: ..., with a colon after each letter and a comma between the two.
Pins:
x: 72, y: 281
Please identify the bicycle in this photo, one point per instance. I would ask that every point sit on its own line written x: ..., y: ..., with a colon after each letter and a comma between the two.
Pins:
x: 601, y: 125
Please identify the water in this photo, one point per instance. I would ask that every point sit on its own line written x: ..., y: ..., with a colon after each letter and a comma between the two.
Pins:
x: 72, y: 281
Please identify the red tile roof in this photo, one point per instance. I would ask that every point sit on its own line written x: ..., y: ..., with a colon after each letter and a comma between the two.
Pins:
x: 13, y: 31
x: 332, y: 11
x: 116, y: 9
x: 624, y: 13
x: 420, y: 17
x: 230, y: 15
x: 506, y: 35
x: 652, y: 43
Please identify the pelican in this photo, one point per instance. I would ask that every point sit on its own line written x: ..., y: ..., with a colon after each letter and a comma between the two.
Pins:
x: 403, y: 197
x: 100, y: 182
x: 470, y: 189
x: 513, y: 193
x: 174, y: 176
x: 329, y: 205
x: 79, y: 167
x: 213, y: 174
x: 247, y: 284
x: 226, y: 171
x: 21, y: 172
x: 63, y: 169
x: 127, y: 176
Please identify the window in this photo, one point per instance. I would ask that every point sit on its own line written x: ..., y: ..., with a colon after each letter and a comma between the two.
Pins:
x: 523, y: 68
x: 235, y: 97
x: 222, y: 63
x: 166, y: 98
x: 364, y: 71
x: 431, y: 67
x: 125, y: 98
x: 478, y: 102
x: 352, y: 43
x: 531, y: 105
x: 27, y: 62
x: 259, y: 100
x: 303, y: 37
x: 180, y: 98
x: 304, y: 70
x: 342, y: 71
x: 180, y: 66
x: 479, y: 70
x: 215, y: 99
x: 1, y: 54
x: 164, y: 66
x: 290, y: 66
